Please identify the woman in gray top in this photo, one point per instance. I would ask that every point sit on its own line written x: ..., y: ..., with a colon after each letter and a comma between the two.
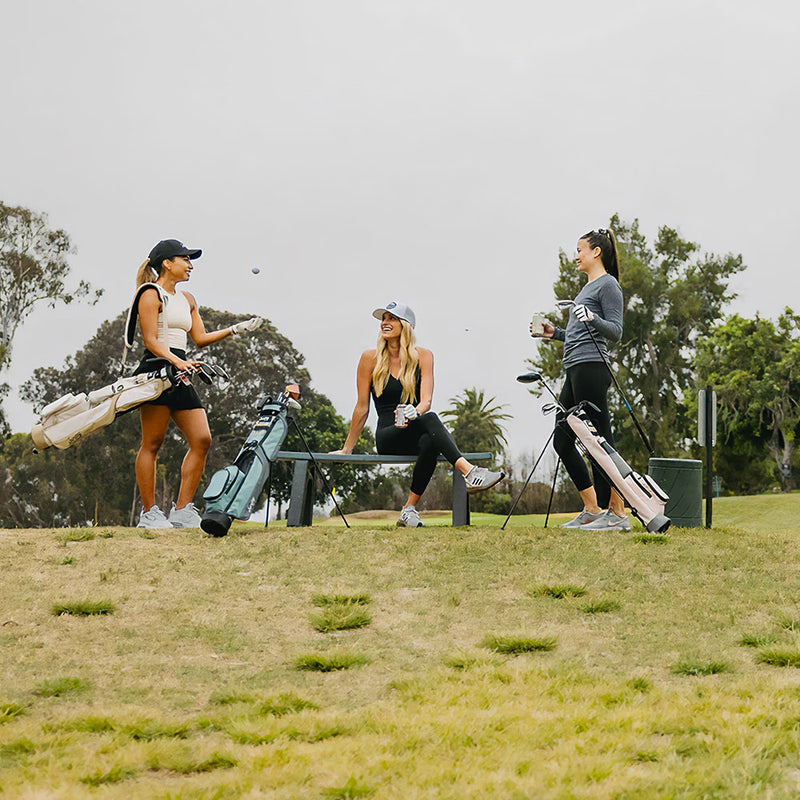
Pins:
x: 597, y: 314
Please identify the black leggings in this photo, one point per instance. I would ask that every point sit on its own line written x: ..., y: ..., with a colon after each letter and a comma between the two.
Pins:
x: 587, y: 381
x: 425, y: 437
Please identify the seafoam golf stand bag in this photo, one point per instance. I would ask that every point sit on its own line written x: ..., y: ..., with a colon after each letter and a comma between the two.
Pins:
x: 641, y: 493
x: 233, y: 491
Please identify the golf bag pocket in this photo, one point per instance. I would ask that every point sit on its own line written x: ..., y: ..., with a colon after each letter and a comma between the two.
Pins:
x: 221, y: 481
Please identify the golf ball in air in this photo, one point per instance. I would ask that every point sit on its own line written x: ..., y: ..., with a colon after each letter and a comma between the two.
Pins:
x: 255, y: 270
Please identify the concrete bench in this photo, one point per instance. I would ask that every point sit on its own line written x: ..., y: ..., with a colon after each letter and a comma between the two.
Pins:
x: 301, y: 499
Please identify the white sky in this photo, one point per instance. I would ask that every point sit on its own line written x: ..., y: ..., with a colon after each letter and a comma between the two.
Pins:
x: 438, y: 152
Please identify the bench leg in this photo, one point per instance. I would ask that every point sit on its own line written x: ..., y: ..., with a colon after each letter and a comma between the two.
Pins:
x: 301, y: 498
x: 460, y: 500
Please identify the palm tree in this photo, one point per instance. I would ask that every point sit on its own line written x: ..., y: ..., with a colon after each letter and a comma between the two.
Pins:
x: 476, y: 423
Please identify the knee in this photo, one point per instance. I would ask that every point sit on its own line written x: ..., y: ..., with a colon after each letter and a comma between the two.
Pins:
x: 151, y: 444
x: 201, y: 443
x: 426, y: 445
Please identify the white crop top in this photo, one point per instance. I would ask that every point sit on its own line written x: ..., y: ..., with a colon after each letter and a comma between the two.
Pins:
x: 178, y: 314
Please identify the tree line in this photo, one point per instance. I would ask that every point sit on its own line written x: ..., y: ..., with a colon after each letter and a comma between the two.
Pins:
x: 676, y: 340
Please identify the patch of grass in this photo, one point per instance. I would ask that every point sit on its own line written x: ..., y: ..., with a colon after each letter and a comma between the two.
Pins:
x: 639, y: 685
x: 79, y: 535
x: 757, y: 639
x: 285, y: 704
x: 146, y: 534
x: 558, y: 590
x: 9, y: 711
x: 600, y: 607
x: 340, y: 618
x: 84, y: 608
x: 149, y: 730
x: 230, y: 698
x: 84, y: 725
x: 114, y: 775
x: 460, y: 661
x: 322, y: 600
x: 61, y: 686
x: 698, y: 668
x: 350, y: 791
x: 17, y: 748
x: 516, y: 645
x: 67, y: 561
x: 333, y: 662
x: 651, y: 538
x: 779, y: 658
x: 189, y: 766
x: 788, y: 623
x: 646, y: 757
x: 105, y: 533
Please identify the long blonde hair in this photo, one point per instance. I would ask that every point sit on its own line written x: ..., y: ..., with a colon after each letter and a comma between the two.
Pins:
x: 409, y: 363
x: 147, y: 273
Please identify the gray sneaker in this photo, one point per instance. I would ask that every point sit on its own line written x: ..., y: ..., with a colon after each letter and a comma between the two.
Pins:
x: 186, y: 517
x: 153, y: 518
x: 583, y: 519
x: 409, y: 518
x: 608, y: 522
x: 480, y: 478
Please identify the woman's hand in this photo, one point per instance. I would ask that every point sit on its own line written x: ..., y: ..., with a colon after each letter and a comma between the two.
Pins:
x: 547, y: 330
x: 186, y: 366
x: 342, y: 452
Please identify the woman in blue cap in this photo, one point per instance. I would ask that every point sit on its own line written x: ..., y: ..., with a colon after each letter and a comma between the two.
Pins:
x: 166, y: 317
x: 399, y: 377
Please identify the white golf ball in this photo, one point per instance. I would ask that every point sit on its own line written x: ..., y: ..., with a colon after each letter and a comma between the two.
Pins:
x: 255, y: 270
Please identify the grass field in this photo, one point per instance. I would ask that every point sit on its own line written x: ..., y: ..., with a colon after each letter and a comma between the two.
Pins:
x: 394, y: 663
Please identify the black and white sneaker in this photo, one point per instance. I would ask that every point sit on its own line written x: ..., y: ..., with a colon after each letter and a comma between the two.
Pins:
x: 480, y: 478
x: 409, y: 518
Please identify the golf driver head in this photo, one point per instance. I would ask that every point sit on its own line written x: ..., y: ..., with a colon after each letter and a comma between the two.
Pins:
x: 565, y: 303
x: 549, y: 408
x: 529, y: 377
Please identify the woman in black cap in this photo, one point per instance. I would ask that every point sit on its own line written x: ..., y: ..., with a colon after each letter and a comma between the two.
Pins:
x: 399, y: 376
x: 166, y: 316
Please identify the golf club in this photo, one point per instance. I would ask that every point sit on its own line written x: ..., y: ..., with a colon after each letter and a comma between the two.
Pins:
x: 569, y: 304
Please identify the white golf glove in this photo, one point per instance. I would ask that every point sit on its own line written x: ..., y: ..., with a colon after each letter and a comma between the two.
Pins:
x: 246, y: 325
x: 409, y: 412
x: 583, y: 313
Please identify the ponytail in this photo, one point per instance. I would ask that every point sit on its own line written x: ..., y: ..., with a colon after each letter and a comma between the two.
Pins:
x: 604, y: 239
x: 147, y: 273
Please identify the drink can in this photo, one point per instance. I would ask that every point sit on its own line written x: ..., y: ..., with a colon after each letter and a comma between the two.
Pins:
x: 400, y: 420
x: 537, y: 322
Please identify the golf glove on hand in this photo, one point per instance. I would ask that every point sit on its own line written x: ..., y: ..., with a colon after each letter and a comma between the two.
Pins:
x: 246, y: 326
x: 409, y: 412
x: 583, y: 313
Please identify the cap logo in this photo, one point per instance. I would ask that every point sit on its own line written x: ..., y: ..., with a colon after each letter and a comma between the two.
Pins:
x: 391, y: 305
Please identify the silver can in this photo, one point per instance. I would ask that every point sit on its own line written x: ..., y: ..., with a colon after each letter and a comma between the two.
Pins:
x: 400, y: 420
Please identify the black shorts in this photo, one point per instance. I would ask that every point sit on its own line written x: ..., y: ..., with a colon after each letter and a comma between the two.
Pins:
x: 178, y: 398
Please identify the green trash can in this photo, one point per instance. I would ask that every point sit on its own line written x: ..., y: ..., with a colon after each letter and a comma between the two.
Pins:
x: 682, y: 480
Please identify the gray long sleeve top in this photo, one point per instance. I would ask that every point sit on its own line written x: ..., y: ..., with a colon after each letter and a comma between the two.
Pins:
x: 603, y: 297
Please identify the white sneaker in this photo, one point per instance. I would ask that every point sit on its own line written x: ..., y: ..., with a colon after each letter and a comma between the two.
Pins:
x: 608, y: 522
x: 409, y: 518
x: 583, y: 518
x: 186, y: 517
x: 480, y: 478
x: 153, y: 518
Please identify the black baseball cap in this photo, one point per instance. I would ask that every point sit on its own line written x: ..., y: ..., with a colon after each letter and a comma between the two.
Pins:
x: 169, y: 248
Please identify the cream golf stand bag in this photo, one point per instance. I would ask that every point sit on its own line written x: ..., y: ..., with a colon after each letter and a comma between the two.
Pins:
x: 73, y: 417
x: 641, y: 493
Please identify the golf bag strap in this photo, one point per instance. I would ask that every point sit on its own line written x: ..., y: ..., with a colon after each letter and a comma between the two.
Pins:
x: 133, y: 316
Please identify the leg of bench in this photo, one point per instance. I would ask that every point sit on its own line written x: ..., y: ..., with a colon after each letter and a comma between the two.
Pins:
x: 301, y: 498
x: 460, y: 500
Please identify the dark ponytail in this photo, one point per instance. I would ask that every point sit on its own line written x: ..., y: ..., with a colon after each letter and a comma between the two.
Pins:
x: 604, y: 239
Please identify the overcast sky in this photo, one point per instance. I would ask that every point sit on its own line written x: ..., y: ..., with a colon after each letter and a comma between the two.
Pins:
x: 438, y: 152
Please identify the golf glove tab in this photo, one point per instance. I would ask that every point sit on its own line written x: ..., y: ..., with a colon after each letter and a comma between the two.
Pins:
x: 246, y: 325
x: 583, y: 313
x: 409, y: 412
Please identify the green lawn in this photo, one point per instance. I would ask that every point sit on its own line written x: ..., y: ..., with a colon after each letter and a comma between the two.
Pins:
x: 454, y: 663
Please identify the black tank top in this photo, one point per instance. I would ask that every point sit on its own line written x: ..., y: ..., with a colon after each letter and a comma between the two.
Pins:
x: 390, y: 398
